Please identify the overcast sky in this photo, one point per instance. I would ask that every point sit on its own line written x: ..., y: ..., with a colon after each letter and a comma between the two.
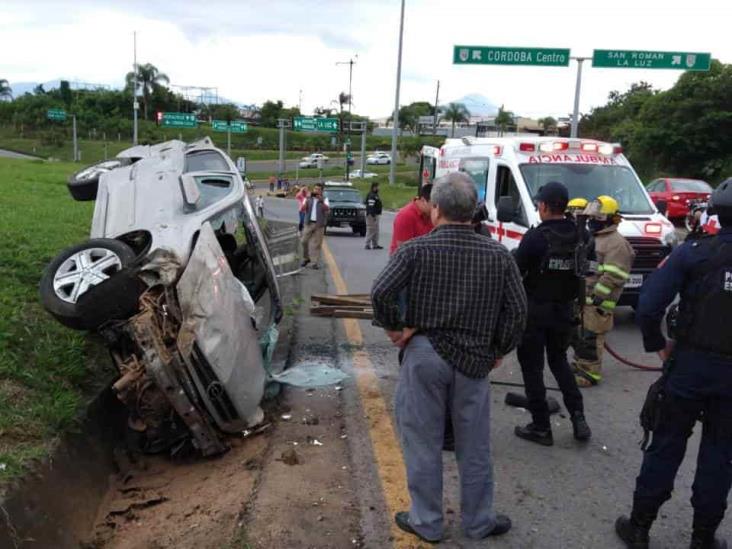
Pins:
x: 254, y: 50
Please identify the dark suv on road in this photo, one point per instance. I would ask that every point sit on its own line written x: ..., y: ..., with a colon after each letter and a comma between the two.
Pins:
x: 346, y: 207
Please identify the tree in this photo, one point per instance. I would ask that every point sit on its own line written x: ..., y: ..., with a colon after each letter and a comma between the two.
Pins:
x: 326, y: 112
x: 64, y: 92
x: 38, y: 90
x: 149, y: 78
x: 269, y: 113
x: 504, y: 119
x: 343, y: 100
x: 409, y: 115
x: 6, y: 92
x: 456, y: 113
x: 548, y: 123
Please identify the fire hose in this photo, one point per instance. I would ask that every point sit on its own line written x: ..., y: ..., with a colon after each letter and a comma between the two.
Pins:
x: 630, y: 363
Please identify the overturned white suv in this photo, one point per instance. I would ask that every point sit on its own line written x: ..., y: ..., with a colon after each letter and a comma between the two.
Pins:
x: 178, y: 280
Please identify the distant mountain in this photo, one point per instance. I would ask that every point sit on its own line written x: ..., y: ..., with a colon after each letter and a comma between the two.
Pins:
x: 477, y: 104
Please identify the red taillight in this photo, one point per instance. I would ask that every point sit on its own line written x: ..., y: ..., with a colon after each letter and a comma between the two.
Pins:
x: 653, y: 228
x: 527, y: 147
x: 442, y: 151
x: 617, y: 149
x: 497, y: 150
x: 560, y: 146
x: 589, y: 147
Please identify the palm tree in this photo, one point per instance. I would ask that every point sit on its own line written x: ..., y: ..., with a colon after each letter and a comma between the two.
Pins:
x: 6, y: 92
x: 343, y: 100
x: 148, y: 78
x: 504, y: 119
x: 547, y: 123
x: 456, y: 113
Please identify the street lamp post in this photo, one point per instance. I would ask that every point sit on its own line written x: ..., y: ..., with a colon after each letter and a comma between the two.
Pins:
x: 578, y: 86
x: 350, y: 64
x: 135, y: 104
x: 395, y: 129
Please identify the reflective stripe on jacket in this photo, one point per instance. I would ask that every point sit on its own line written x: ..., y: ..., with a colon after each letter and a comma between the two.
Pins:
x: 614, y: 261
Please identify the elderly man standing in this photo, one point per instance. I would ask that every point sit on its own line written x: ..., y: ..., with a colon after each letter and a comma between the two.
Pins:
x: 466, y: 309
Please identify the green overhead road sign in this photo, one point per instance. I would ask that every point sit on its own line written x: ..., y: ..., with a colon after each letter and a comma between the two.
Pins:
x: 57, y: 115
x: 178, y: 120
x: 630, y: 59
x: 489, y: 55
x: 310, y: 124
x: 235, y: 126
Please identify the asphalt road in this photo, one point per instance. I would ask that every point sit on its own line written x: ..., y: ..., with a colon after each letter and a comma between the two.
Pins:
x: 291, y: 164
x: 567, y: 496
x: 12, y: 154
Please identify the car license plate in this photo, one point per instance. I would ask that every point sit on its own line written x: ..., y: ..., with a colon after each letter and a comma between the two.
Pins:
x: 635, y: 281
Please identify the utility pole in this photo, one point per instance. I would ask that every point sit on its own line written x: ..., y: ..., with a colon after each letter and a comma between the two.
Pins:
x: 299, y: 102
x: 575, y: 113
x: 282, y: 123
x: 395, y: 129
x: 437, y: 107
x: 135, y: 104
x: 350, y: 64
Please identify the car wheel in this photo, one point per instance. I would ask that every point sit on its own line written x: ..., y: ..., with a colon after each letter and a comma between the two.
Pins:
x: 76, y: 270
x: 83, y: 184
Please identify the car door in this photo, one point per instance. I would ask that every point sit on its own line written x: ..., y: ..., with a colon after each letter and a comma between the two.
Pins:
x: 510, y: 234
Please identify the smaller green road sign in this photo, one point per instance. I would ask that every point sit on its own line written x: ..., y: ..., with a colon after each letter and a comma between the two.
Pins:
x: 235, y: 126
x: 57, y: 115
x: 630, y: 59
x: 178, y: 120
x: 489, y: 55
x: 310, y: 124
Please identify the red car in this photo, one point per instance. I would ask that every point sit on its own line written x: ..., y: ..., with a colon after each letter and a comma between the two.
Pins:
x: 677, y: 192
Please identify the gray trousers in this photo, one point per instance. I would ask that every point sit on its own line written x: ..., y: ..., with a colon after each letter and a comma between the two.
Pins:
x: 372, y: 230
x: 427, y: 388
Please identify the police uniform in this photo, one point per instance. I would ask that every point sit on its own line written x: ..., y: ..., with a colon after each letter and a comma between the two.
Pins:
x: 547, y: 258
x: 604, y: 287
x: 696, y: 386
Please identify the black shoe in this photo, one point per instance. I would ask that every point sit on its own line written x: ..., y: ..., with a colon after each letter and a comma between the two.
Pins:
x: 703, y: 538
x: 503, y: 525
x: 581, y: 430
x: 534, y: 434
x: 367, y: 247
x: 377, y: 247
x: 315, y: 266
x: 634, y: 535
x: 402, y: 521
x: 304, y: 263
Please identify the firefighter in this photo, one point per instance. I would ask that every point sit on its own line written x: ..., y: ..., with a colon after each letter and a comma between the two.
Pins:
x: 696, y: 384
x: 614, y: 260
x: 576, y: 206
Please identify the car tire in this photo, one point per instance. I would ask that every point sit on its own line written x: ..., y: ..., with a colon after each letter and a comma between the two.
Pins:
x: 60, y: 290
x: 83, y: 184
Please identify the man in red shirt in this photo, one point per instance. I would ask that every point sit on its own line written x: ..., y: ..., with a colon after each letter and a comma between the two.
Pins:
x: 413, y: 220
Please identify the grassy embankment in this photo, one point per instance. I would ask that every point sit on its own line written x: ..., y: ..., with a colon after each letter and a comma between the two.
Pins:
x: 44, y: 368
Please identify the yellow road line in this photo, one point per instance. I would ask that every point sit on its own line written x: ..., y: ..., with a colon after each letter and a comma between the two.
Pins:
x: 383, y: 437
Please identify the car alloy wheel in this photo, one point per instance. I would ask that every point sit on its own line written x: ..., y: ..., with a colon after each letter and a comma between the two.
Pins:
x: 82, y: 270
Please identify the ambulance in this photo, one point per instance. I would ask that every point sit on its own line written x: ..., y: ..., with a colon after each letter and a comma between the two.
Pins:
x: 508, y: 173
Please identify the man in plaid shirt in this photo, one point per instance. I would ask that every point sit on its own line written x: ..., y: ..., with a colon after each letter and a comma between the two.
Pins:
x: 466, y: 309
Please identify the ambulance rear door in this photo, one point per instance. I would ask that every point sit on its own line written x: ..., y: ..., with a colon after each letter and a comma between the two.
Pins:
x: 506, y: 184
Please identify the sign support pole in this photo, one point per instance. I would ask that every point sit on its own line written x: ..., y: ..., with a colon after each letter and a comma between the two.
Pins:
x: 228, y: 140
x: 575, y: 112
x: 282, y: 123
x: 135, y: 104
x: 76, y: 144
x: 363, y: 148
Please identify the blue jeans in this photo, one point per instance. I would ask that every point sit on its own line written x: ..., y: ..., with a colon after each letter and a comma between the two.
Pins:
x: 427, y: 387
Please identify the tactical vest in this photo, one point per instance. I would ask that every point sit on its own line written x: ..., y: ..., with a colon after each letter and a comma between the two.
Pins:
x: 557, y: 279
x: 705, y: 319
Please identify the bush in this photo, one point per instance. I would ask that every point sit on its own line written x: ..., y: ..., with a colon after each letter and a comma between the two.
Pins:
x: 53, y: 138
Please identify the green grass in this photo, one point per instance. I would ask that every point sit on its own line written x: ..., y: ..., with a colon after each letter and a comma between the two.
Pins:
x: 394, y: 196
x: 44, y: 367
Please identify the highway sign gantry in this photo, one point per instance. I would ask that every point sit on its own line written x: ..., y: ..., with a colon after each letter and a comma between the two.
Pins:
x: 178, y: 120
x: 492, y: 55
x: 640, y: 59
x: 312, y: 124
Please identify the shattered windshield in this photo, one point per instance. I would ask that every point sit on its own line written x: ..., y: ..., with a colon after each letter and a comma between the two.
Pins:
x: 591, y: 181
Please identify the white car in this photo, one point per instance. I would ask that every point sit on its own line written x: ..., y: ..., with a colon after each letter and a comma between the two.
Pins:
x: 365, y: 175
x: 315, y: 157
x: 378, y: 158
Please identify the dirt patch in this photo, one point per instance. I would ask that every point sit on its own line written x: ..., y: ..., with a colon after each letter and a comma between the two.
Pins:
x: 156, y: 503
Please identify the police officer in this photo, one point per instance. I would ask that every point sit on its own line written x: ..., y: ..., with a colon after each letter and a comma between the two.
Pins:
x: 614, y: 260
x: 547, y: 258
x: 697, y: 382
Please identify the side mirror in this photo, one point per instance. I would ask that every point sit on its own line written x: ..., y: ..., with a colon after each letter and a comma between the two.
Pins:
x: 506, y: 209
x: 662, y: 207
x: 190, y: 191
